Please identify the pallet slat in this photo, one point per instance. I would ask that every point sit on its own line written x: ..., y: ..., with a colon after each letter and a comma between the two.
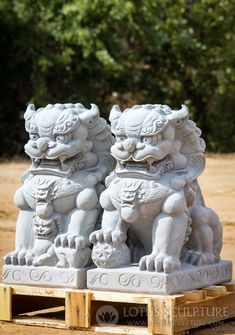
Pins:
x: 5, y: 303
x: 230, y: 286
x: 37, y: 291
x: 124, y: 330
x: 216, y: 291
x: 40, y: 322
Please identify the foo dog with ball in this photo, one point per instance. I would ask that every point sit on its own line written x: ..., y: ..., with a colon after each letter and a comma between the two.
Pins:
x: 155, y: 218
x: 69, y: 146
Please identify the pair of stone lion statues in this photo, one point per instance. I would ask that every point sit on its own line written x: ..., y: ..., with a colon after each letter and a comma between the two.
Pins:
x: 89, y: 197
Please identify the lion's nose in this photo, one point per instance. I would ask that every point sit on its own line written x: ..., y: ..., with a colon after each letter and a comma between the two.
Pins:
x: 42, y: 144
x: 130, y: 145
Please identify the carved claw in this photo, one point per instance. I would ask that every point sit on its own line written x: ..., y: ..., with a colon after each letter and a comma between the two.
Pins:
x: 21, y: 257
x: 98, y: 236
x: 81, y: 242
x: 107, y: 236
x: 16, y: 258
x: 116, y: 237
x: 154, y: 262
x: 61, y: 241
x: 198, y: 257
x: 11, y: 258
x: 72, y: 241
x: 29, y: 258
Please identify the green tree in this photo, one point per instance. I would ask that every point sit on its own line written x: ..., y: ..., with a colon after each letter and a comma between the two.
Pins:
x: 116, y: 51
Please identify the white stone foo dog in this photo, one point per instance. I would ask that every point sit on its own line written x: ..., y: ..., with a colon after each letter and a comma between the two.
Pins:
x: 154, y: 212
x: 69, y: 146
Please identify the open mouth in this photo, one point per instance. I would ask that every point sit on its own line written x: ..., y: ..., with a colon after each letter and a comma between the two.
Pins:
x: 147, y: 167
x: 43, y: 235
x: 47, y: 164
x: 59, y: 165
x: 134, y: 165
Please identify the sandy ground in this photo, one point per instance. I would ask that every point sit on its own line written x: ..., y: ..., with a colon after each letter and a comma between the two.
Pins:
x: 218, y: 186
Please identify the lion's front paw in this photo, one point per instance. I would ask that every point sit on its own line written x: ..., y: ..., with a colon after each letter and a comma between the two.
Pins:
x: 72, y: 241
x: 154, y: 262
x: 198, y: 257
x: 16, y: 257
x: 115, y: 237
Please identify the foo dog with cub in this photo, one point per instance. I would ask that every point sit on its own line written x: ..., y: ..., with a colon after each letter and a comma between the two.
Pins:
x: 154, y: 212
x: 70, y: 150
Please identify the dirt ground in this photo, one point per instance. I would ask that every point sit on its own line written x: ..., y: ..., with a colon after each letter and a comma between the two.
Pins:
x: 218, y: 186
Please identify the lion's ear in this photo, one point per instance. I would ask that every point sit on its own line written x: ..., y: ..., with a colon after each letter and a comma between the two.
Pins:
x: 28, y: 115
x: 30, y: 111
x: 115, y: 114
x: 178, y: 117
x: 89, y: 114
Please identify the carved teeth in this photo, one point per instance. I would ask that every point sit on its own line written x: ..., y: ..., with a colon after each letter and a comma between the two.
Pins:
x: 36, y: 162
x: 64, y: 166
x: 152, y: 168
x: 122, y: 164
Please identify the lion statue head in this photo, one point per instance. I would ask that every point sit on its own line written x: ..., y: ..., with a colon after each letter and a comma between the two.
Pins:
x: 153, y: 139
x: 67, y: 137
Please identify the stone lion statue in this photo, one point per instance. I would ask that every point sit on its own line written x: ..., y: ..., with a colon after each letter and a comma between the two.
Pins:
x: 154, y: 212
x: 69, y: 146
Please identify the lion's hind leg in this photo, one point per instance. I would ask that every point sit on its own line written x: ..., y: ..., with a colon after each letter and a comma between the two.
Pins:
x: 205, y: 242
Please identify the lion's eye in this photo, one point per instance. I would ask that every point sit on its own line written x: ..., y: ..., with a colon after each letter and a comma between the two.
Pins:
x: 151, y: 139
x: 62, y: 138
x: 147, y: 139
x: 120, y: 138
x: 33, y: 136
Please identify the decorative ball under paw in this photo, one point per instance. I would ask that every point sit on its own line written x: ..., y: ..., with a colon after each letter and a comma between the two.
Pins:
x: 106, y: 255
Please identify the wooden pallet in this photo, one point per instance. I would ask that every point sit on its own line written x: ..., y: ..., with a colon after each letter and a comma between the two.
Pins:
x: 133, y: 313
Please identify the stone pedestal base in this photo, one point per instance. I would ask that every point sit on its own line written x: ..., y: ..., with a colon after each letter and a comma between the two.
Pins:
x: 131, y: 279
x: 45, y: 276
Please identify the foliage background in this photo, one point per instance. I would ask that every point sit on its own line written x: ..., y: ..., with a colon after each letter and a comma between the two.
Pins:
x: 119, y: 51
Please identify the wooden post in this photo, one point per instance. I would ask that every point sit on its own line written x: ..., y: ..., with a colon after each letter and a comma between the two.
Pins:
x: 5, y: 303
x: 77, y: 309
x: 161, y: 315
